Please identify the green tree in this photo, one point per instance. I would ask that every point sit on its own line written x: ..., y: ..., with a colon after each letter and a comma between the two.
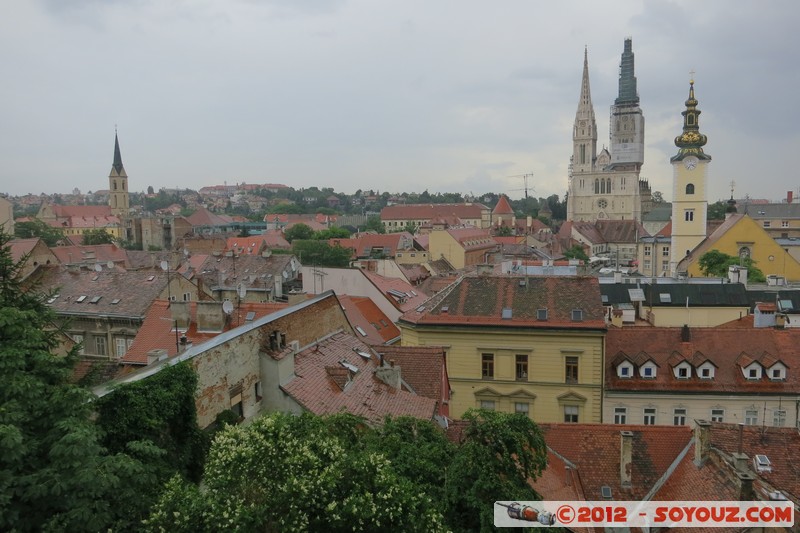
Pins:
x: 504, y: 231
x: 295, y: 473
x: 54, y: 473
x: 374, y: 224
x: 286, y: 209
x: 717, y: 210
x: 36, y: 228
x: 715, y: 264
x: 97, y: 236
x: 331, y: 233
x: 576, y: 252
x: 298, y: 231
x: 499, y: 453
x: 320, y: 253
x: 410, y: 227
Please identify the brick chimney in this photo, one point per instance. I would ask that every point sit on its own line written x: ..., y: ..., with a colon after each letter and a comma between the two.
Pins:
x: 789, y: 197
x: 745, y: 486
x: 625, y: 458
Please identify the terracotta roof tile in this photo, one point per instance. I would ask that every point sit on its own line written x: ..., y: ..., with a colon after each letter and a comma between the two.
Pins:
x: 429, y: 211
x: 366, y: 317
x: 422, y: 367
x: 119, y: 293
x: 502, y: 207
x: 780, y: 444
x: 393, y: 287
x: 729, y: 350
x: 365, y: 395
x: 158, y: 330
x: 595, y: 450
x: 483, y: 300
x: 20, y: 247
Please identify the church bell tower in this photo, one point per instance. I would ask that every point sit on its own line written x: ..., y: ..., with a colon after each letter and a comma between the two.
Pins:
x: 118, y: 198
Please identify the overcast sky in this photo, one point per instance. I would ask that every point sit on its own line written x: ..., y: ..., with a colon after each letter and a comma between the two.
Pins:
x: 380, y: 94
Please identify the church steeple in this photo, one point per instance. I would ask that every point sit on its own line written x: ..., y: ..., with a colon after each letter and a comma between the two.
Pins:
x: 627, y: 81
x: 118, y: 198
x: 584, y: 133
x: 691, y: 141
x: 117, y: 156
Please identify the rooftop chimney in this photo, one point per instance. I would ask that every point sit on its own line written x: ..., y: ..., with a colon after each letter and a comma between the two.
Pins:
x: 180, y: 314
x: 686, y: 334
x: 789, y: 195
x: 625, y: 458
x: 156, y: 355
x: 210, y: 316
x: 745, y: 486
x: 485, y: 269
x: 389, y: 375
x: 702, y: 441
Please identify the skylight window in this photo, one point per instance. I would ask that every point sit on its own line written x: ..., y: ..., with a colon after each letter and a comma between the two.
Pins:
x: 250, y: 316
x: 350, y: 367
x: 365, y: 355
x: 115, y: 301
x: 541, y: 314
x: 577, y: 315
x: 507, y: 313
x: 151, y: 278
x: 80, y: 298
x: 665, y: 297
x: 361, y: 331
x: 95, y: 299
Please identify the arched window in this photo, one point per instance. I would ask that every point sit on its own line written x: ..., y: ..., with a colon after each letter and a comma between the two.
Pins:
x: 690, y: 188
x: 114, y: 183
x: 602, y: 186
x: 608, y: 185
x: 596, y: 186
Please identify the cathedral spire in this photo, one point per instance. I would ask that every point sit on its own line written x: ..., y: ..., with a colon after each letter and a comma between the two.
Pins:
x: 584, y: 132
x: 117, y: 155
x: 627, y: 81
x: 691, y: 141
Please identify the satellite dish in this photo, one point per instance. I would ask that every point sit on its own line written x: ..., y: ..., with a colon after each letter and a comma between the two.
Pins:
x: 164, y: 266
x: 98, y: 267
x: 227, y: 307
x: 110, y: 264
x: 241, y: 289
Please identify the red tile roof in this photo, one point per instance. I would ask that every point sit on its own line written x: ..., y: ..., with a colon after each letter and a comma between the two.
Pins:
x: 595, y: 450
x: 472, y: 238
x: 481, y: 301
x: 88, y: 211
x: 21, y: 247
x: 363, y: 244
x: 392, y: 288
x: 690, y: 482
x: 158, y: 329
x: 430, y: 211
x: 323, y: 391
x: 729, y: 349
x: 502, y: 207
x: 422, y: 367
x: 364, y: 314
x: 204, y: 217
x: 95, y: 253
x: 780, y: 444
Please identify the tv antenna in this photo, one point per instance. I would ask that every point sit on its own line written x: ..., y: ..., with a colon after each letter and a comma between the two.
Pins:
x: 525, y: 181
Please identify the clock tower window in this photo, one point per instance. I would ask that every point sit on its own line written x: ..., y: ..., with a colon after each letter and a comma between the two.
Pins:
x: 690, y: 188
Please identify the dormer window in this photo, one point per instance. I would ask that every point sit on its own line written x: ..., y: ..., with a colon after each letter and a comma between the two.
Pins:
x: 752, y: 372
x: 648, y: 371
x: 625, y: 370
x: 777, y: 372
x: 683, y: 373
x: 706, y: 370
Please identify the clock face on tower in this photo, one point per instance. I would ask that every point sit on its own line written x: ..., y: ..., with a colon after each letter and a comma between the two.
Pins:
x: 690, y: 162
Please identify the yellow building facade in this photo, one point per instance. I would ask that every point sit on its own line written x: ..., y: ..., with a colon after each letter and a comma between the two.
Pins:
x: 532, y: 346
x: 741, y: 236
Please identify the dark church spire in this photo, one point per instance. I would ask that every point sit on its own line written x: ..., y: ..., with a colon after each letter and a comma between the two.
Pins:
x: 627, y: 81
x: 117, y: 155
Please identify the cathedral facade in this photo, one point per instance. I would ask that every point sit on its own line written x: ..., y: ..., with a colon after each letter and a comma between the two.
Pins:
x: 607, y: 185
